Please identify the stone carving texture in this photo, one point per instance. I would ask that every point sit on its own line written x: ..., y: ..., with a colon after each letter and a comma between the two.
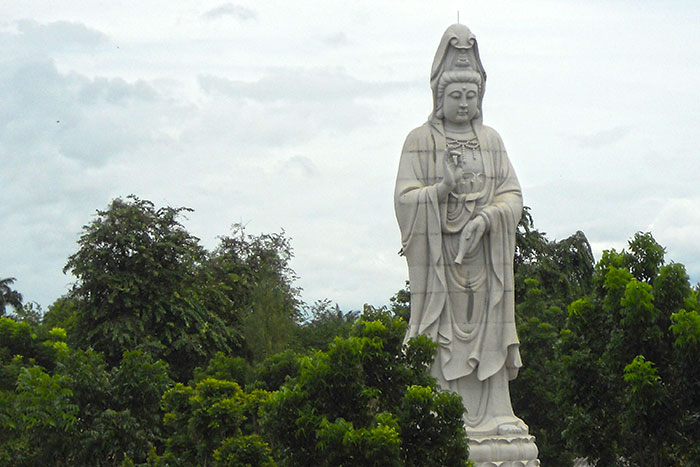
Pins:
x: 458, y: 203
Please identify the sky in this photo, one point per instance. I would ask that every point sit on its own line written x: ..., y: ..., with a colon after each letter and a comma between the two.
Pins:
x: 291, y: 116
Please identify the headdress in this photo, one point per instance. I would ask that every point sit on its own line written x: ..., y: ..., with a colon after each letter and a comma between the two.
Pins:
x: 458, y: 50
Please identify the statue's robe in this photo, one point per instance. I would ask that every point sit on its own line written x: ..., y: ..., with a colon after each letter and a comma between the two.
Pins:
x: 467, y: 309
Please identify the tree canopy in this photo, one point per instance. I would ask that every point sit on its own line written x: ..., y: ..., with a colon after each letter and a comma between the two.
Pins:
x: 164, y: 353
x: 9, y: 296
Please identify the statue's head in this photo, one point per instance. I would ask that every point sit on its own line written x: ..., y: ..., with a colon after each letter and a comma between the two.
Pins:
x: 458, y: 94
x: 458, y: 52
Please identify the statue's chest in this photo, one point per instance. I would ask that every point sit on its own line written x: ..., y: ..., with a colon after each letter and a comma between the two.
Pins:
x: 470, y: 159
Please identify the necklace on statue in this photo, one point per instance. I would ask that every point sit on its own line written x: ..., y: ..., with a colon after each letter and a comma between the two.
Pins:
x: 460, y: 145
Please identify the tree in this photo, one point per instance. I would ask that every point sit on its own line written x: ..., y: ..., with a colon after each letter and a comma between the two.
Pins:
x: 9, y: 296
x: 252, y: 273
x: 325, y: 323
x: 549, y: 275
x: 213, y: 422
x: 36, y: 419
x: 64, y: 406
x: 140, y: 285
x: 365, y: 402
x: 534, y: 391
x: 629, y: 392
x: 563, y: 269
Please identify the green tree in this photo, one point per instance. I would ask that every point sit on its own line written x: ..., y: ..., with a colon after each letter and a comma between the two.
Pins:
x: 36, y: 419
x: 22, y: 346
x: 563, y: 269
x: 628, y: 390
x: 325, y: 323
x: 9, y: 296
x: 140, y: 285
x: 644, y: 405
x: 72, y: 409
x: 534, y: 392
x: 213, y: 422
x: 366, y: 402
x: 119, y: 408
x: 252, y: 273
x: 685, y: 330
x: 62, y: 313
x: 549, y: 275
x: 274, y: 371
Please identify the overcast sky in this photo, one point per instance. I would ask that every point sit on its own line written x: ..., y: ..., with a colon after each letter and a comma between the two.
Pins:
x: 291, y: 115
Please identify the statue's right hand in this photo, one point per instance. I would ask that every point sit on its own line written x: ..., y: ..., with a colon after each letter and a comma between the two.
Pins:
x: 452, y: 173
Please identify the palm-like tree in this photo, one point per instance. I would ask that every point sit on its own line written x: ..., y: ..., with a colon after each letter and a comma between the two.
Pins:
x: 9, y: 296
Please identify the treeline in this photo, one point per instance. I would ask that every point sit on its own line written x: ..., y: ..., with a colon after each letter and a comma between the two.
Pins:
x: 610, y: 352
x: 167, y: 354
x: 164, y: 353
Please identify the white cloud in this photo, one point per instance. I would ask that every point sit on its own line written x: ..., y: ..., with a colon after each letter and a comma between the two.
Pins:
x: 229, y: 9
x: 301, y: 85
x: 27, y: 37
x: 292, y: 116
x: 602, y: 138
x: 336, y: 39
x: 677, y: 226
x: 71, y: 116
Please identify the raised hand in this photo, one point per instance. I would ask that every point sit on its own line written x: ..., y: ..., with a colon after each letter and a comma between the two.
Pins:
x: 453, y: 173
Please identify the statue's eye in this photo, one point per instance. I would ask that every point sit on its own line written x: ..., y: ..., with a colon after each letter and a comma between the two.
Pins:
x: 471, y: 94
x: 455, y: 94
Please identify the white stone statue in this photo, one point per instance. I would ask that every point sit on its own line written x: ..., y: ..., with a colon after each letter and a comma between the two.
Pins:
x: 458, y: 203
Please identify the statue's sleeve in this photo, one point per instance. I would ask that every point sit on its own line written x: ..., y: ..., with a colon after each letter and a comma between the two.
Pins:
x: 507, y: 202
x: 418, y: 215
x: 503, y: 214
x: 415, y: 197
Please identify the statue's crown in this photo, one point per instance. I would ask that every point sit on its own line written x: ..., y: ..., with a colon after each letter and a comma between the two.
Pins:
x: 461, y: 59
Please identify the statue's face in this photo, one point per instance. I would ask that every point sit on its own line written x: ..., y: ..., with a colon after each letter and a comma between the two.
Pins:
x: 460, y: 102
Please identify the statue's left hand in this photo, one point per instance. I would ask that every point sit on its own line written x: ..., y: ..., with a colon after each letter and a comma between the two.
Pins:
x: 470, y: 236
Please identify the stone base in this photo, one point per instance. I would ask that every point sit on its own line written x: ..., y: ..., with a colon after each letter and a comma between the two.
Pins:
x: 503, y: 451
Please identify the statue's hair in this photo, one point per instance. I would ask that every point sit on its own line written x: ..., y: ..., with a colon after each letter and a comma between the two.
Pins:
x: 455, y: 76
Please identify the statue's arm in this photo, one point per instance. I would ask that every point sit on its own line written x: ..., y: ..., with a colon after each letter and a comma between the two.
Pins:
x: 412, y: 179
x: 508, y: 199
x: 416, y: 197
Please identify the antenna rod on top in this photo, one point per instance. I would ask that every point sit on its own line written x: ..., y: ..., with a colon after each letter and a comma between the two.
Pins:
x: 457, y: 16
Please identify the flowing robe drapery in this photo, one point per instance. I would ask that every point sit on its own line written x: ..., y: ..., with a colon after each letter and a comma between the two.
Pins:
x: 486, y: 341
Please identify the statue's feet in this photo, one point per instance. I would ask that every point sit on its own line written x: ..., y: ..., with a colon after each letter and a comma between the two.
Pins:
x: 509, y: 429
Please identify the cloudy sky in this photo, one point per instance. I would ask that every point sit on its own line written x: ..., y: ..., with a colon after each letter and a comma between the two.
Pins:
x: 291, y: 115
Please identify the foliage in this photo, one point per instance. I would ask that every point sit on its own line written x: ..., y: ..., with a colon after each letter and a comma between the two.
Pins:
x: 253, y: 274
x: 274, y: 371
x: 325, y: 322
x: 401, y: 303
x: 534, y: 392
x: 64, y: 406
x: 9, y: 296
x: 22, y: 346
x: 213, y: 421
x: 548, y: 276
x: 36, y: 418
x: 627, y: 387
x: 562, y: 269
x: 62, y: 314
x: 224, y: 367
x: 608, y: 351
x: 244, y: 451
x: 139, y: 286
x: 167, y: 354
x: 366, y: 402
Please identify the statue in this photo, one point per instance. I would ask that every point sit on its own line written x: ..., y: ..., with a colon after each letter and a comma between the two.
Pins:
x: 458, y: 203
